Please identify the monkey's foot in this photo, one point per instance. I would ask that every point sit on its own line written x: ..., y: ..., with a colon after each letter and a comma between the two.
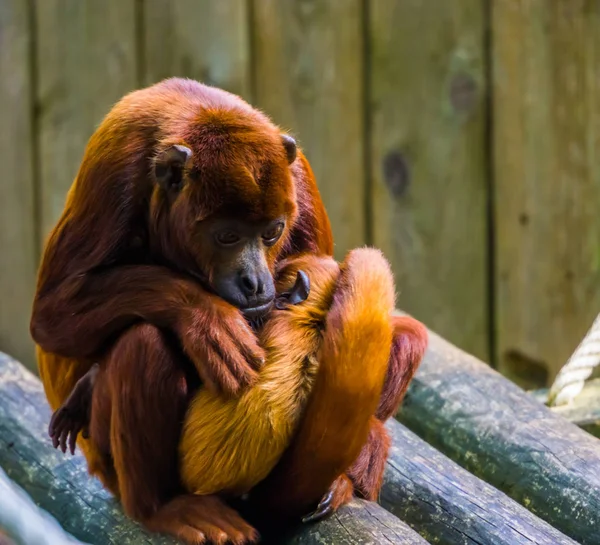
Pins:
x: 73, y: 416
x: 199, y: 520
x: 339, y: 494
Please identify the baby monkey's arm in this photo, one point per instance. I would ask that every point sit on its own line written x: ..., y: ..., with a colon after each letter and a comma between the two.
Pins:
x: 73, y: 415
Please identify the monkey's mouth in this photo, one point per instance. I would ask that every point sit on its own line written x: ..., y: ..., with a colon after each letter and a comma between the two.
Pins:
x: 254, y: 313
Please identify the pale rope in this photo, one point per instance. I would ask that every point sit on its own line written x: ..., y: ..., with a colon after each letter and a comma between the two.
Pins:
x: 571, y: 378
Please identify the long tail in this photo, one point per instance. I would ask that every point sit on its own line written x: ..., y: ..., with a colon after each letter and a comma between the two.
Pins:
x: 352, y: 367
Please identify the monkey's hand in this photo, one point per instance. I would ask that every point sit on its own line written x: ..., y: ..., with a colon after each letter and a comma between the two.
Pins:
x: 222, y: 346
x: 298, y: 294
x: 73, y: 416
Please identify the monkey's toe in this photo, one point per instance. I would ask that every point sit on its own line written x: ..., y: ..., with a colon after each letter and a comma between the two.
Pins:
x: 202, y: 519
x: 339, y: 494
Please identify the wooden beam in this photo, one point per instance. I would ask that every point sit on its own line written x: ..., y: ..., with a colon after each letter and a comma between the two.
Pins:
x: 503, y: 435
x: 426, y: 100
x: 308, y: 74
x: 448, y: 505
x: 18, y: 236
x: 87, y: 60
x: 24, y: 522
x: 546, y: 175
x: 61, y: 485
x: 200, y: 39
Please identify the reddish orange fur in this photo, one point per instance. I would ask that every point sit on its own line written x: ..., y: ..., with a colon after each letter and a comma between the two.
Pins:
x: 115, y: 259
x: 344, y: 397
x: 121, y: 252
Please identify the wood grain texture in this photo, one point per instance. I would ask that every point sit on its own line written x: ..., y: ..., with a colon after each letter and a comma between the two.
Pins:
x: 448, y: 505
x: 24, y: 521
x: 309, y: 73
x: 504, y: 436
x: 86, y: 61
x: 18, y: 248
x: 61, y: 485
x: 199, y: 39
x: 428, y: 152
x: 547, y: 180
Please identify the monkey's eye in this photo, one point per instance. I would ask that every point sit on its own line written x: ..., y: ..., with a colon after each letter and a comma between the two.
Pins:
x: 272, y: 234
x: 227, y: 238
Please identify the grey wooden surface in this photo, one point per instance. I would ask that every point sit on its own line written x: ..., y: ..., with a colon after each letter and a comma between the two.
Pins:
x: 503, y: 435
x: 61, y: 485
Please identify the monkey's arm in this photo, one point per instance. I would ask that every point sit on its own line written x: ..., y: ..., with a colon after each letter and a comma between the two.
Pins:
x: 80, y: 314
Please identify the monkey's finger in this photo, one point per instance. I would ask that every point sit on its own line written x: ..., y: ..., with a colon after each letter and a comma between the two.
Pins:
x: 228, y: 377
x: 299, y: 293
x: 72, y: 441
x: 229, y: 351
x: 85, y: 432
x: 247, y: 344
x: 215, y: 374
x: 57, y: 419
x: 63, y: 441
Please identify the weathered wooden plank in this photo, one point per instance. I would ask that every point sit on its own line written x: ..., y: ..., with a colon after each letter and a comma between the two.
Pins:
x: 428, y: 151
x: 25, y: 522
x: 583, y: 410
x: 86, y: 55
x: 448, y: 505
x: 309, y: 72
x: 547, y: 181
x: 61, y: 485
x: 18, y: 258
x: 503, y: 435
x: 200, y: 39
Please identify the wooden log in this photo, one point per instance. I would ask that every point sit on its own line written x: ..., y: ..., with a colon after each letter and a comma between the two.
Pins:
x: 503, y: 435
x: 61, y: 485
x: 583, y: 410
x: 448, y: 505
x: 23, y: 522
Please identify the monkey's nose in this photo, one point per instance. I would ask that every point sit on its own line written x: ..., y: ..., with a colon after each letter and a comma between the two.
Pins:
x: 251, y: 284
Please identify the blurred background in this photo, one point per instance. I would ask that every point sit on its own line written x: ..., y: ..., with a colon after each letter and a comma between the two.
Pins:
x: 460, y: 136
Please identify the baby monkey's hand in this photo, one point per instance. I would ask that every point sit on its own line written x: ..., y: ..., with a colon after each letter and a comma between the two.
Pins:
x: 298, y: 293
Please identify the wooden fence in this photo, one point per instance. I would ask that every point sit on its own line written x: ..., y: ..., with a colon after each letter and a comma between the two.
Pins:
x: 460, y: 136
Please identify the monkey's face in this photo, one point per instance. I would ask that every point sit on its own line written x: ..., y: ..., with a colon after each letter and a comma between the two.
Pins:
x: 241, y: 261
x: 226, y: 222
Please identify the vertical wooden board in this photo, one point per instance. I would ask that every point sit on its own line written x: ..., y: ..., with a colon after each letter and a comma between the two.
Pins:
x: 547, y: 181
x: 18, y: 251
x: 87, y: 59
x: 309, y: 79
x: 428, y: 160
x: 205, y: 40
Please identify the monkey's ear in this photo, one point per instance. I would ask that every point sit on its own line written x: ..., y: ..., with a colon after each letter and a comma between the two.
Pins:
x: 290, y: 147
x: 169, y: 165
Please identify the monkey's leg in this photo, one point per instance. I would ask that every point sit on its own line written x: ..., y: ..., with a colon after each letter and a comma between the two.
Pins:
x: 408, y: 347
x: 149, y: 396
x: 367, y: 471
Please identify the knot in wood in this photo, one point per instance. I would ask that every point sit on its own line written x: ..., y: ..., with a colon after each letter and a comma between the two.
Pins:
x: 396, y: 173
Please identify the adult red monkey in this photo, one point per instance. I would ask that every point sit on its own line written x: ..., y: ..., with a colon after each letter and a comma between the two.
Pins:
x: 185, y: 200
